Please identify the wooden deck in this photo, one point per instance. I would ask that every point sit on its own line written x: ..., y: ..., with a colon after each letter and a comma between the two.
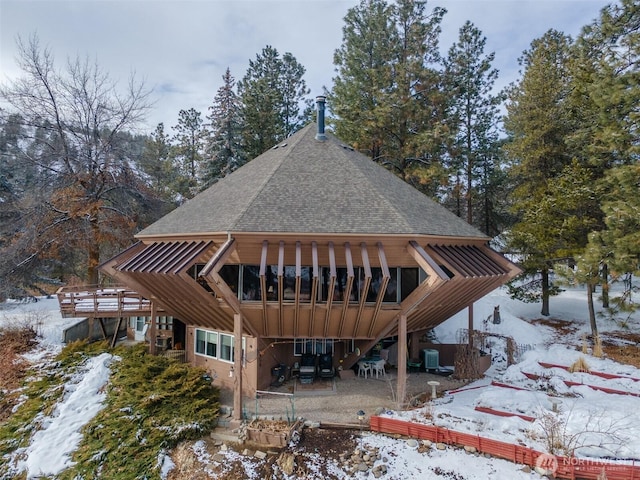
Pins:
x: 99, y: 302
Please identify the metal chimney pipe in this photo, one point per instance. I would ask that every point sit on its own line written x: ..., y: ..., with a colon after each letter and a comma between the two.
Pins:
x: 320, y: 104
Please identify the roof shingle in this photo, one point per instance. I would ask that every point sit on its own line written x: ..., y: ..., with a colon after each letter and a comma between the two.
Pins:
x: 310, y: 186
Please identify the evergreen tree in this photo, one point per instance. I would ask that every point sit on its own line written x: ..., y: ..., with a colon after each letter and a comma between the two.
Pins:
x: 188, y: 149
x: 387, y: 96
x: 608, y: 86
x: 157, y: 163
x: 605, y: 99
x: 473, y: 116
x: 224, y: 152
x: 537, y: 123
x: 271, y: 93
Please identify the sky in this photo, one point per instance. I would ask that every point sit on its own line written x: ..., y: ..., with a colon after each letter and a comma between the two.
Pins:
x: 600, y: 425
x: 181, y: 49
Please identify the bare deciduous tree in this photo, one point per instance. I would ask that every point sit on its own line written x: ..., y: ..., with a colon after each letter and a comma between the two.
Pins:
x: 78, y: 120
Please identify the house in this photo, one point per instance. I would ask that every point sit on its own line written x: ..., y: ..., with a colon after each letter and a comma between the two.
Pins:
x: 309, y: 248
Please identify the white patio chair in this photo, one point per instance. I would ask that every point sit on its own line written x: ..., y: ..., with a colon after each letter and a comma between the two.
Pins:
x: 364, y: 368
x: 378, y: 368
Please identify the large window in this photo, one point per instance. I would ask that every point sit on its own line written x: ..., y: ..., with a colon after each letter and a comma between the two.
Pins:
x: 231, y: 276
x: 340, y: 287
x: 251, y: 283
x: 216, y: 345
x: 401, y: 283
x: 289, y: 293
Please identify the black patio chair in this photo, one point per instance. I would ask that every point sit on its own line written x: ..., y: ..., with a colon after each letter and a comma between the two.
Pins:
x: 307, y: 368
x: 325, y: 366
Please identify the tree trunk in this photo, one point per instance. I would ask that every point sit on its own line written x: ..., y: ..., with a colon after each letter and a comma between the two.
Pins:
x: 592, y: 312
x: 93, y: 253
x: 545, y: 292
x: 605, y: 285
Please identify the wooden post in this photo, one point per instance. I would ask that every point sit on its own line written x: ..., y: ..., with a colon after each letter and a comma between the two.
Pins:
x: 470, y: 328
x: 237, y: 367
x: 402, y: 360
x: 116, y: 332
x: 414, y: 351
x: 153, y: 330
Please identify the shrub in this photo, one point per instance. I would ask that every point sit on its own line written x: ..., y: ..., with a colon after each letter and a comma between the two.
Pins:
x: 152, y: 404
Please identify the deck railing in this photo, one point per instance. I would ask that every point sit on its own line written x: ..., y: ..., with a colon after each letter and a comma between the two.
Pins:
x: 94, y: 301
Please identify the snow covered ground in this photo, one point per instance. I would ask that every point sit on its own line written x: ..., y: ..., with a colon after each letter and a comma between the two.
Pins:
x: 597, y: 424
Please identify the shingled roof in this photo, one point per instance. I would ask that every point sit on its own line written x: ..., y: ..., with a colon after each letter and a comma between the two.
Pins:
x: 305, y: 185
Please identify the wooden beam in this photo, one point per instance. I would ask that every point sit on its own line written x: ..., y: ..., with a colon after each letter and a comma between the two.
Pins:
x: 402, y: 361
x: 424, y: 260
x: 280, y: 287
x: 470, y: 307
x: 114, y: 339
x: 314, y: 281
x: 102, y: 328
x: 350, y: 276
x: 153, y: 330
x: 219, y: 258
x: 384, y: 281
x: 263, y: 284
x: 237, y: 367
x: 332, y: 285
x: 364, y: 291
x: 296, y: 316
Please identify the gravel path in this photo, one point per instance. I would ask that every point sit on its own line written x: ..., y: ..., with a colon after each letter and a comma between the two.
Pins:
x: 342, y: 404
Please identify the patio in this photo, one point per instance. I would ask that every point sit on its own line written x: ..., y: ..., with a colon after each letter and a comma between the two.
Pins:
x: 341, y: 405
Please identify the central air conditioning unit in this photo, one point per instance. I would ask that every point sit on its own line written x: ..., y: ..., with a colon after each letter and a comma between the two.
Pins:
x: 430, y: 359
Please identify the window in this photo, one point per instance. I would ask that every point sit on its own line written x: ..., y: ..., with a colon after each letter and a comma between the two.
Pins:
x: 272, y: 282
x: 339, y: 290
x: 206, y: 343
x: 231, y: 276
x: 309, y: 345
x: 289, y: 279
x: 251, y: 283
x: 226, y: 347
x: 138, y: 323
x: 391, y: 293
x: 289, y: 284
x: 410, y: 278
x: 212, y: 344
x: 217, y: 345
x: 201, y: 342
x: 164, y: 323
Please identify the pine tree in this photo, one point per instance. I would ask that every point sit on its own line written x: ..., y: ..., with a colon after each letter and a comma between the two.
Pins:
x: 605, y: 96
x: 271, y: 93
x: 537, y: 123
x: 387, y: 96
x: 157, y: 163
x: 608, y: 54
x: 224, y: 152
x: 188, y: 148
x: 473, y: 118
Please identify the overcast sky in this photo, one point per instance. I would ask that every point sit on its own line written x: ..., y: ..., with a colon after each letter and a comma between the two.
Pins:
x: 182, y: 48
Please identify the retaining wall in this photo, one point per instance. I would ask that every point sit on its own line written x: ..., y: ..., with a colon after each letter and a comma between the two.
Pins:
x: 568, y: 468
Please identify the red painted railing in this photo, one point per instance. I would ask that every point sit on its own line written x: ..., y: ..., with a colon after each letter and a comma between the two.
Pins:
x: 608, y: 376
x: 564, y: 467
